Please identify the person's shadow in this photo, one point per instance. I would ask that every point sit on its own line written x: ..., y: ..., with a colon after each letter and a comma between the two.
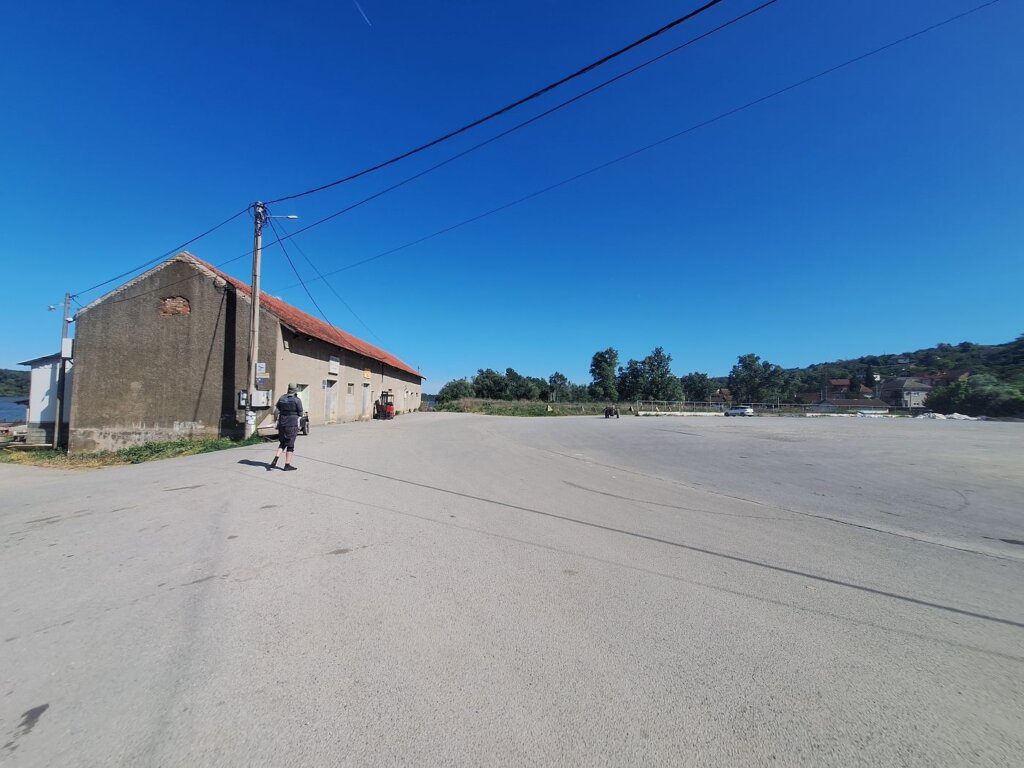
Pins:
x: 251, y: 463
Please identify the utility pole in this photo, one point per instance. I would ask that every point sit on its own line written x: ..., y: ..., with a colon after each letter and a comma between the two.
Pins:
x: 61, y: 372
x: 259, y: 216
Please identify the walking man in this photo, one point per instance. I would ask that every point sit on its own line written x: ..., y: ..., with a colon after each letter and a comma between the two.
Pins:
x: 288, y: 412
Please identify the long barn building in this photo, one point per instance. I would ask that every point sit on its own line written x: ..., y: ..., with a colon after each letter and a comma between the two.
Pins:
x: 165, y: 356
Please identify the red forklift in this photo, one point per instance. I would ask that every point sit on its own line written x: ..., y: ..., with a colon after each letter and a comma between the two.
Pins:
x: 384, y: 406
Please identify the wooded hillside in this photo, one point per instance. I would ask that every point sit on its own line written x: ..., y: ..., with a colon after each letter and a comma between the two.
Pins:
x: 13, y: 383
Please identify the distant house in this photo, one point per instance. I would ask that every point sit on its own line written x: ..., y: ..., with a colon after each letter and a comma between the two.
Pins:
x: 837, y: 388
x: 941, y: 379
x: 42, y: 398
x: 846, y: 388
x: 905, y: 392
x: 809, y: 396
x: 165, y: 356
x: 721, y: 396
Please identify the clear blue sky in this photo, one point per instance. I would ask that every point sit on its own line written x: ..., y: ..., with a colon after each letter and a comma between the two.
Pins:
x: 879, y: 209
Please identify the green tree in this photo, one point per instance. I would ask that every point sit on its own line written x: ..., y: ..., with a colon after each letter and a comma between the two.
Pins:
x: 948, y: 398
x: 490, y: 384
x: 630, y: 381
x: 539, y: 388
x: 557, y: 383
x: 519, y: 387
x: 982, y: 395
x: 697, y: 386
x: 661, y: 383
x: 602, y: 372
x: 752, y: 380
x: 577, y: 393
x: 869, y: 378
x: 455, y: 390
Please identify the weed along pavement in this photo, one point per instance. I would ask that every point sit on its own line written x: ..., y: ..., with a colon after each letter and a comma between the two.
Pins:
x: 448, y: 589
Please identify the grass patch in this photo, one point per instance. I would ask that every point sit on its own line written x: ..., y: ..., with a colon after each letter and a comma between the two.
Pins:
x: 136, y: 454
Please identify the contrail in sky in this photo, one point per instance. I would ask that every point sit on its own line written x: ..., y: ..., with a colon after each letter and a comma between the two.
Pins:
x: 367, y: 18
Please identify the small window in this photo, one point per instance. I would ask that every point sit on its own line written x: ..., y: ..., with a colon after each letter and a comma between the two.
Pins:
x: 351, y: 389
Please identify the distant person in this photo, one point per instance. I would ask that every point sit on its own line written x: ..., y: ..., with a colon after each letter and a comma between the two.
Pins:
x: 288, y: 412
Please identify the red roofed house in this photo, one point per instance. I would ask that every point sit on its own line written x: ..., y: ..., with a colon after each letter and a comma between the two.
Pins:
x: 845, y: 388
x: 165, y: 356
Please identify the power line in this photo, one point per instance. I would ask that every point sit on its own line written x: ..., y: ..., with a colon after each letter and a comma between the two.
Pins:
x: 331, y: 287
x: 508, y: 107
x: 665, y: 140
x: 296, y: 271
x: 177, y: 282
x: 171, y: 252
x: 529, y: 121
x: 597, y: 168
x: 521, y: 125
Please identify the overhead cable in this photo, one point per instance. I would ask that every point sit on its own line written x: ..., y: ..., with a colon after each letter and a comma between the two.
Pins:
x: 528, y: 121
x: 590, y: 171
x: 296, y: 271
x: 465, y: 128
x: 665, y: 140
x: 163, y: 256
x: 508, y: 107
x: 331, y: 287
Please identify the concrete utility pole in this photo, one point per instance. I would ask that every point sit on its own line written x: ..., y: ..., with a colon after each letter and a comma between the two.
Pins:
x: 58, y: 423
x: 259, y: 216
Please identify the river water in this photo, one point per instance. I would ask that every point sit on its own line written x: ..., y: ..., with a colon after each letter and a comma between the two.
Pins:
x: 10, y: 410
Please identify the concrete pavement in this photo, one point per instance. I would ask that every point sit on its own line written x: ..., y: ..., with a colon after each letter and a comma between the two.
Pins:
x: 461, y: 590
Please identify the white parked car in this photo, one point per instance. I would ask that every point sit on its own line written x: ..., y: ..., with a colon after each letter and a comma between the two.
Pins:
x: 740, y: 410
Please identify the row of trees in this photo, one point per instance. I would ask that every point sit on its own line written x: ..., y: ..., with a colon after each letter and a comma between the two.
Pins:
x: 511, y: 385
x: 751, y: 380
x: 648, y: 379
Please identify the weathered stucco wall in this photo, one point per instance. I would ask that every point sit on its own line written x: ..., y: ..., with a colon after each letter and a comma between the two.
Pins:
x: 339, y: 397
x: 165, y: 357
x: 161, y: 359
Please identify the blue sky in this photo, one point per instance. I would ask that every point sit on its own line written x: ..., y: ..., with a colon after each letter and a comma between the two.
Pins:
x: 878, y: 209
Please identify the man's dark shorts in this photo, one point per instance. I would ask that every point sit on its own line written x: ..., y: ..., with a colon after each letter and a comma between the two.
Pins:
x: 286, y: 435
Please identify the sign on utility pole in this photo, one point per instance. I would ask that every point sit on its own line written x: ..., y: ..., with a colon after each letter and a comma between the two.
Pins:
x: 259, y: 216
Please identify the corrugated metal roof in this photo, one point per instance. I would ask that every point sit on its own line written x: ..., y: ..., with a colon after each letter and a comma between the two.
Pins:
x: 303, y: 323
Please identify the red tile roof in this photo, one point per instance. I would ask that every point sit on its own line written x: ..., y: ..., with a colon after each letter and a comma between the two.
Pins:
x: 300, y: 322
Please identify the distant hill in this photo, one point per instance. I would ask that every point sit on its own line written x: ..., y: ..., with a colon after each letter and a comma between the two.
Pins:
x: 1005, y: 362
x: 13, y: 383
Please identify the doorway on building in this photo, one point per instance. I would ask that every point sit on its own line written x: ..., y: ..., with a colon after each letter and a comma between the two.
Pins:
x: 302, y: 390
x: 366, y: 401
x: 329, y: 401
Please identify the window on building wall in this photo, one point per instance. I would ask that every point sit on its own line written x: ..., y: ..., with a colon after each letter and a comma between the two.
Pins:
x: 351, y: 388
